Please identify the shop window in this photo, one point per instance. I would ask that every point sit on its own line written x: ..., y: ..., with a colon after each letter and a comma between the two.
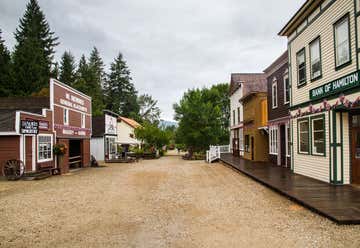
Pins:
x: 286, y: 88
x: 318, y: 136
x: 83, y: 120
x: 303, y: 138
x: 241, y: 139
x: 274, y: 92
x: 45, y: 147
x: 301, y: 67
x: 66, y: 116
x: 247, y: 143
x: 342, y: 41
x: 273, y: 143
x: 315, y: 59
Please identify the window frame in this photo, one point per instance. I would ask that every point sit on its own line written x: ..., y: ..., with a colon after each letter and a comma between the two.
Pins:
x: 299, y: 121
x: 288, y: 140
x: 83, y: 120
x: 320, y: 58
x: 238, y: 117
x: 273, y: 142
x: 234, y: 118
x: 312, y: 119
x: 286, y: 76
x: 66, y: 116
x: 341, y: 19
x: 38, y: 148
x: 247, y: 146
x: 241, y: 139
x: 303, y: 83
x: 273, y: 99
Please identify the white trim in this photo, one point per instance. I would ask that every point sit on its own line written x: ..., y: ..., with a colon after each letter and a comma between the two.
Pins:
x: 58, y: 83
x: 38, y: 150
x: 286, y: 76
x: 312, y: 136
x: 299, y: 137
x: 77, y: 111
x: 346, y: 22
x: 9, y: 134
x: 65, y: 115
x: 273, y: 140
x: 33, y: 140
x: 17, y: 122
x: 83, y: 120
x: 273, y: 99
x: 21, y: 148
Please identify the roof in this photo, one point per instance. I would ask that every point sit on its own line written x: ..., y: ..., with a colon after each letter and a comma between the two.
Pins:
x: 130, y: 122
x: 304, y: 11
x: 109, y: 112
x: 9, y: 106
x: 251, y: 81
x: 280, y: 61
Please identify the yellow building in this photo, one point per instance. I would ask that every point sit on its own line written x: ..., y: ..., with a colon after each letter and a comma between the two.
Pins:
x: 256, y: 140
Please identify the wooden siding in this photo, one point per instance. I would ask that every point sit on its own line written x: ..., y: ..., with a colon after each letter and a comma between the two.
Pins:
x: 322, y: 26
x: 9, y: 149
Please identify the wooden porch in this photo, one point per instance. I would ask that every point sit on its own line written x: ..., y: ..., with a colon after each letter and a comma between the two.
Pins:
x: 340, y: 204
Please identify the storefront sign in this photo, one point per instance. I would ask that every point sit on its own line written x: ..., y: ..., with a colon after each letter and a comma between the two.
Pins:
x: 74, y: 102
x: 44, y: 125
x: 110, y: 124
x: 339, y: 85
x: 29, y: 127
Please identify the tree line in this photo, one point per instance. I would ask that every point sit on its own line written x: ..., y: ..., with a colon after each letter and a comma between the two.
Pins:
x: 26, y: 71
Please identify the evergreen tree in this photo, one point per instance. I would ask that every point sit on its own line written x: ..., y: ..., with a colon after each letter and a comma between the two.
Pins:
x: 34, y: 51
x: 97, y: 65
x: 120, y: 92
x: 67, y: 68
x: 55, y: 71
x: 5, y: 70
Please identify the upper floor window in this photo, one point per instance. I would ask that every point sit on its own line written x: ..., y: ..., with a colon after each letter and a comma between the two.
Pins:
x: 66, y: 116
x: 301, y: 67
x: 342, y: 41
x: 274, y: 93
x: 238, y: 112
x: 83, y: 118
x: 234, y: 117
x: 286, y: 88
x: 315, y: 59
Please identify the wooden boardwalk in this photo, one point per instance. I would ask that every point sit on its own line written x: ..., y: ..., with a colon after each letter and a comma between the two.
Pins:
x: 341, y: 204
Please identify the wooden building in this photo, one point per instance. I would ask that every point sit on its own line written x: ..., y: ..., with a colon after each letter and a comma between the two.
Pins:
x: 125, y: 133
x: 31, y: 126
x: 278, y: 89
x: 104, y: 136
x: 323, y: 46
x: 241, y: 84
x: 256, y: 146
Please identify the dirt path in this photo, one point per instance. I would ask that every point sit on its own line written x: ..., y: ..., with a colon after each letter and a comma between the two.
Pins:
x: 160, y: 203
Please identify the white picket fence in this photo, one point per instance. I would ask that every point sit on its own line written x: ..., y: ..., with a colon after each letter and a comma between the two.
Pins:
x: 215, y: 152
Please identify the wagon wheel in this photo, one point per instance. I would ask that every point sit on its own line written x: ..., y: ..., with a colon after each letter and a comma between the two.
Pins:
x: 13, y: 169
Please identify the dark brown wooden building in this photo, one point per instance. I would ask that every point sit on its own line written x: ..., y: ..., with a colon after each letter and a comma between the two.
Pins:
x: 278, y: 111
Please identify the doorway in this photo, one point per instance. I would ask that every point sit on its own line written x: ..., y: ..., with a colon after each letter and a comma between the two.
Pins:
x: 282, y: 146
x: 29, y: 156
x: 75, y: 154
x: 355, y: 149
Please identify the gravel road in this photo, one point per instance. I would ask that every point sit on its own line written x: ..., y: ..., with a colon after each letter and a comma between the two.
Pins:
x: 159, y: 203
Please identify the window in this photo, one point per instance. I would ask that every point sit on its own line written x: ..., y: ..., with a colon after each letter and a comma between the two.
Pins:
x: 238, y: 112
x: 234, y: 117
x: 303, y: 138
x: 286, y: 88
x: 315, y: 59
x: 83, y: 120
x: 318, y: 136
x: 241, y: 139
x: 273, y: 140
x: 45, y: 147
x: 288, y: 140
x: 66, y: 116
x: 342, y: 41
x: 247, y: 143
x: 301, y: 67
x: 274, y: 93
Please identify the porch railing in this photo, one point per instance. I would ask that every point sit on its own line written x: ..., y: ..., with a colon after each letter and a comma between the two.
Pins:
x: 215, y: 152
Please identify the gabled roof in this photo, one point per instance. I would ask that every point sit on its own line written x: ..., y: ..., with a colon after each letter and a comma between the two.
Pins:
x: 130, y: 122
x: 278, y: 63
x: 251, y: 81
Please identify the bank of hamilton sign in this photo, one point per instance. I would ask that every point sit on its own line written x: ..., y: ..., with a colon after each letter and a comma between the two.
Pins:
x: 336, y: 86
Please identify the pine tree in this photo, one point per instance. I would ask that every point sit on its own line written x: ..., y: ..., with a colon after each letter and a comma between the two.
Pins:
x: 97, y: 65
x: 67, y: 68
x: 5, y: 70
x: 120, y: 92
x: 55, y: 71
x: 34, y: 51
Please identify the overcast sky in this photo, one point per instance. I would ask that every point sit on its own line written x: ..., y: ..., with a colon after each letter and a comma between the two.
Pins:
x: 169, y: 45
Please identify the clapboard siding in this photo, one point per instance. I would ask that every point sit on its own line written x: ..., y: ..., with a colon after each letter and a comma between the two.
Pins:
x: 323, y: 27
x: 309, y: 165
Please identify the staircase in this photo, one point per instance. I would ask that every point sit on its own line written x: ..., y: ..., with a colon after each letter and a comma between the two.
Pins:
x: 215, y: 152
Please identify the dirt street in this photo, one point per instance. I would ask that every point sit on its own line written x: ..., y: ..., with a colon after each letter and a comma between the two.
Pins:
x: 159, y: 203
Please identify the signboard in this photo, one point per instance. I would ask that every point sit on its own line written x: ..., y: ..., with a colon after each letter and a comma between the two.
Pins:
x: 74, y: 102
x: 336, y: 86
x: 44, y: 125
x: 29, y: 127
x: 110, y: 124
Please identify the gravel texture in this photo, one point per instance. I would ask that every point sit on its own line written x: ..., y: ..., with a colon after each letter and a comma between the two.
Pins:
x: 159, y: 203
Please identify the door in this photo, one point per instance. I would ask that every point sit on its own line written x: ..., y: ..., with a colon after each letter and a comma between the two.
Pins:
x: 236, y: 149
x: 355, y: 151
x: 282, y: 146
x: 29, y: 149
x: 252, y: 148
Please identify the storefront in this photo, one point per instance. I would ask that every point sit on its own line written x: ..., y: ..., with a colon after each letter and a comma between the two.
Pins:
x: 104, y: 137
x: 324, y: 75
x: 72, y: 124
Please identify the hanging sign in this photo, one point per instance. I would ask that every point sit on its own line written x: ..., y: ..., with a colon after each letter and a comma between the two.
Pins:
x: 339, y: 85
x: 29, y: 127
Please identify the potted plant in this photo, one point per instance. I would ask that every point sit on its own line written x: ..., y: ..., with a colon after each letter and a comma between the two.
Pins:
x: 60, y: 150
